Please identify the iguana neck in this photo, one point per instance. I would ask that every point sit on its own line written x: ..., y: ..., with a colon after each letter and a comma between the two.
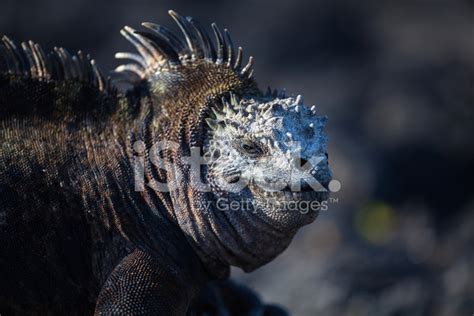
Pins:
x: 134, y: 212
x: 171, y: 111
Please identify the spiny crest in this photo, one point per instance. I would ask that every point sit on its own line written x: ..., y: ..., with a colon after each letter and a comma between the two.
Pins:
x: 263, y: 111
x: 161, y: 50
x: 30, y: 61
x: 274, y: 122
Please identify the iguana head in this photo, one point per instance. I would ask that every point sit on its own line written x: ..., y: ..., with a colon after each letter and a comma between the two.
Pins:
x: 268, y: 155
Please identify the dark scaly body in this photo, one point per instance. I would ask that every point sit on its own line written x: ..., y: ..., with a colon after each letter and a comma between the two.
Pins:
x: 68, y: 205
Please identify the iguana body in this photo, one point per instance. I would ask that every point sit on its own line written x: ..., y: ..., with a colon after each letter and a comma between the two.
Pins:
x: 77, y: 235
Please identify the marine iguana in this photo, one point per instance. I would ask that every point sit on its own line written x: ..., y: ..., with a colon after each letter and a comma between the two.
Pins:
x: 101, y: 208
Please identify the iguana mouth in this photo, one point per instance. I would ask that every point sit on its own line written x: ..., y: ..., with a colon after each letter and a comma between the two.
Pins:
x: 288, y: 200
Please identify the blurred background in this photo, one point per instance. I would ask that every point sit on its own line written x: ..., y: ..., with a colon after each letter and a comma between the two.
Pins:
x: 397, y: 82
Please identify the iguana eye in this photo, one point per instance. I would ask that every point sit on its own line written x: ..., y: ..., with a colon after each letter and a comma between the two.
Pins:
x: 249, y: 148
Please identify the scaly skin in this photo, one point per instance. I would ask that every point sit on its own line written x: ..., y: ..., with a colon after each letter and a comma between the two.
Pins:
x: 78, y: 237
